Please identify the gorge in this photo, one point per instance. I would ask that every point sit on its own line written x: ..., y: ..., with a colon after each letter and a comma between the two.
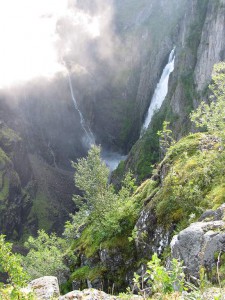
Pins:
x: 128, y: 66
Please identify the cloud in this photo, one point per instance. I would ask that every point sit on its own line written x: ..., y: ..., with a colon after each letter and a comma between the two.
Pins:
x: 87, y: 36
x: 36, y: 36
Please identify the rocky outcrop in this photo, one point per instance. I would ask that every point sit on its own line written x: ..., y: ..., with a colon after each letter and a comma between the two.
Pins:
x: 151, y: 237
x: 200, y: 244
x: 47, y: 288
x: 88, y: 294
x: 92, y: 294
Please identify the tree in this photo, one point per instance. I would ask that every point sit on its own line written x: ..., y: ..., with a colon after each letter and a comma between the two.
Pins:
x: 45, y: 256
x: 99, y: 205
x: 212, y: 116
x: 11, y: 264
x: 165, y: 138
x: 91, y: 177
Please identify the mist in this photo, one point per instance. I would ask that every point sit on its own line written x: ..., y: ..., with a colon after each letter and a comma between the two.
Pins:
x: 39, y: 38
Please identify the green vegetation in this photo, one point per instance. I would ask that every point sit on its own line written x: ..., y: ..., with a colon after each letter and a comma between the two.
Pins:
x: 40, y: 210
x: 46, y: 256
x: 105, y: 211
x: 189, y: 180
x: 105, y: 218
x: 191, y: 175
x: 17, y: 278
x: 211, y: 116
x: 8, y: 136
x: 158, y: 279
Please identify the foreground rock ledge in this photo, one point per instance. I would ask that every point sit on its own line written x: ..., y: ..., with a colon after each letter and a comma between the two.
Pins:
x: 47, y: 288
x: 199, y: 244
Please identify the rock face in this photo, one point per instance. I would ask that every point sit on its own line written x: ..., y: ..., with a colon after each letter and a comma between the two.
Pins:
x: 212, y: 46
x: 200, y: 244
x: 151, y: 237
x: 199, y: 40
x: 13, y: 206
x: 37, y: 179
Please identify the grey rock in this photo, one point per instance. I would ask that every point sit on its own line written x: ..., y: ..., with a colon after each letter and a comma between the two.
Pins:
x: 212, y: 46
x: 151, y: 237
x: 213, y: 215
x: 92, y: 294
x: 45, y: 288
x: 87, y: 294
x: 197, y: 245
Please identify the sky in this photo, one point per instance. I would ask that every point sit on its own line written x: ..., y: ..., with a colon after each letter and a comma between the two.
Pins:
x: 29, y: 39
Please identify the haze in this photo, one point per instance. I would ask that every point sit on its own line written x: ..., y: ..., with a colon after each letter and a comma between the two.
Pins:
x: 28, y: 32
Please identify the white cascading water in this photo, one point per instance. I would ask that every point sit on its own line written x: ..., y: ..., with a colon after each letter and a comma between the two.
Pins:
x: 112, y: 159
x: 89, y: 138
x: 160, y: 91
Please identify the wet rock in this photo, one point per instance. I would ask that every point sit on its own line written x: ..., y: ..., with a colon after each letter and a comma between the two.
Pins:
x: 151, y: 237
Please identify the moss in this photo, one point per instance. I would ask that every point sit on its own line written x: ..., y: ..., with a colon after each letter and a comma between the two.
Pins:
x: 145, y: 191
x: 8, y: 136
x: 192, y: 181
x: 217, y: 195
x: 81, y: 273
x: 87, y: 243
x: 86, y: 272
x: 4, y: 159
x: 4, y: 193
x: 41, y: 211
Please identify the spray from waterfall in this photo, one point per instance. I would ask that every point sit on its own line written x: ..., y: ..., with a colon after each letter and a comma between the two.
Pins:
x: 89, y: 138
x: 160, y: 91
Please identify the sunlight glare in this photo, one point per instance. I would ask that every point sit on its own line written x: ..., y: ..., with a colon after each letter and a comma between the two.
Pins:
x: 28, y: 37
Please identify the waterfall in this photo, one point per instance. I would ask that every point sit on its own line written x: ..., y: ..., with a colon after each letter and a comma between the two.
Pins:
x: 111, y: 159
x: 89, y: 138
x: 160, y: 91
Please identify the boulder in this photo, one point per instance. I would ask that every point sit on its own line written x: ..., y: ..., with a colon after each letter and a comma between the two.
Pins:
x: 87, y: 294
x: 45, y: 288
x: 199, y: 244
x: 92, y: 294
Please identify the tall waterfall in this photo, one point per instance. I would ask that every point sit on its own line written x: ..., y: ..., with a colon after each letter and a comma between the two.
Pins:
x: 160, y: 91
x: 89, y: 138
x: 112, y: 159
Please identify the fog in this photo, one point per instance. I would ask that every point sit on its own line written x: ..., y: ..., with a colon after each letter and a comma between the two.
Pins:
x: 39, y: 37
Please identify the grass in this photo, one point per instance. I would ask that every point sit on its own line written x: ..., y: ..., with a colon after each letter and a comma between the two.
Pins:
x: 41, y: 210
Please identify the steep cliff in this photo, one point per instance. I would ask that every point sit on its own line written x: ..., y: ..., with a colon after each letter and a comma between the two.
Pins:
x: 113, y: 93
x: 199, y: 42
x: 33, y: 189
